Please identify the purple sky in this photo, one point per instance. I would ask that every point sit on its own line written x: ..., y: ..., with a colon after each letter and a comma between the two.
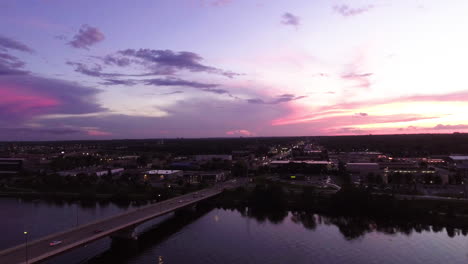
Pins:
x: 228, y: 68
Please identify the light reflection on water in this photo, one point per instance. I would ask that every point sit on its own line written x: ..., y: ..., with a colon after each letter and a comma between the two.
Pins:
x: 243, y: 236
x: 226, y: 236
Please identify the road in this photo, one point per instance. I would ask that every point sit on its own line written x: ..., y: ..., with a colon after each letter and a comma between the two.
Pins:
x: 40, y: 249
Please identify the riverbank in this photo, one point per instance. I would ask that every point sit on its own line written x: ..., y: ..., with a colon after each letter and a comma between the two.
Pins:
x: 351, y: 203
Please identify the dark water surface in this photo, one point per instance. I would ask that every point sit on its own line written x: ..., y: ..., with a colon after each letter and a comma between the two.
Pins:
x: 232, y: 236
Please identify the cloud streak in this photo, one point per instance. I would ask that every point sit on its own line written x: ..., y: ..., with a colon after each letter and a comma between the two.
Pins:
x: 276, y: 100
x: 347, y: 11
x: 7, y: 43
x: 451, y: 127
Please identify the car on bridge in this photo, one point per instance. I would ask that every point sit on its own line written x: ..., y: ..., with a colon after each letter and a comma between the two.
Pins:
x: 55, y: 243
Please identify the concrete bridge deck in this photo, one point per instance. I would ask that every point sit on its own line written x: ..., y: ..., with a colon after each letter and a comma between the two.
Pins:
x: 40, y: 249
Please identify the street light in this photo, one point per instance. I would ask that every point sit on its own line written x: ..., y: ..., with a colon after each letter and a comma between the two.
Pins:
x: 26, y: 236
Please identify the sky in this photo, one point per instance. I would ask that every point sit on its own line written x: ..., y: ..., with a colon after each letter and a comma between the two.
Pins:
x: 115, y: 69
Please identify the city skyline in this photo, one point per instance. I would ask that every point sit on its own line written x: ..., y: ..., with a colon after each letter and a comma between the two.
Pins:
x: 230, y: 68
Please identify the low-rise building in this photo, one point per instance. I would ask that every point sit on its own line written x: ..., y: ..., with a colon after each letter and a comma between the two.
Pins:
x: 301, y: 166
x: 201, y: 158
x: 365, y: 170
x: 163, y: 174
x: 204, y: 176
x: 11, y: 165
x: 459, y: 162
x: 89, y: 172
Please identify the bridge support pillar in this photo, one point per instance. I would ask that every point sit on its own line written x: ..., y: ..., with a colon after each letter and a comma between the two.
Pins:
x: 128, y: 233
x: 186, y: 210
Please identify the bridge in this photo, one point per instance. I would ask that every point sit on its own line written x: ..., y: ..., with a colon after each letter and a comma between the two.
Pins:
x: 121, y: 225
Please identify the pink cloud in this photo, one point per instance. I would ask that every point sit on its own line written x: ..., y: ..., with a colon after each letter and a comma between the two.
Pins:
x: 97, y: 132
x: 25, y: 96
x: 302, y: 115
x: 14, y: 101
x: 239, y: 132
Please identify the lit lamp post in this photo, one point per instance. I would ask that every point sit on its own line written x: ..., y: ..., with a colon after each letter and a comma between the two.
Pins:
x: 26, y: 236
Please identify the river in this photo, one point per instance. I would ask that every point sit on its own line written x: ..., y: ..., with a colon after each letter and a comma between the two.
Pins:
x: 215, y: 235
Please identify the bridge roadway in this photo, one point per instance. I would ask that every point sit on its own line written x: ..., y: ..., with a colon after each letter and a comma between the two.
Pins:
x: 40, y: 249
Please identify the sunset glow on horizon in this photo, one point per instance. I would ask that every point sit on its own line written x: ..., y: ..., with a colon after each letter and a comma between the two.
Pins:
x: 229, y: 68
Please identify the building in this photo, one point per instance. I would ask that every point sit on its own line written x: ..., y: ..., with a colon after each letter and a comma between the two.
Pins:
x: 356, y: 157
x: 90, y: 172
x: 459, y: 162
x: 201, y: 158
x: 11, y: 165
x: 365, y: 170
x: 204, y: 176
x: 278, y: 163
x: 300, y: 166
x: 163, y: 174
x: 212, y: 177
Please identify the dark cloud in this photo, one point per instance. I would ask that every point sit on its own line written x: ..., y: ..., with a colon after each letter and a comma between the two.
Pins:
x: 362, y: 114
x: 86, y: 37
x: 96, y: 70
x: 169, y: 81
x: 10, y: 65
x: 168, y: 62
x: 114, y: 60
x: 286, y: 98
x: 276, y: 100
x: 215, y: 90
x: 127, y: 82
x: 178, y: 82
x: 155, y: 62
x: 7, y: 43
x: 207, y: 87
x: 347, y: 11
x: 290, y: 20
x: 171, y: 93
x: 5, y: 70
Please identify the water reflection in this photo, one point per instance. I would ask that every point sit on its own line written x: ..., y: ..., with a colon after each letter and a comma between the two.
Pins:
x: 246, y: 235
x: 123, y: 250
x: 354, y: 227
x: 226, y: 235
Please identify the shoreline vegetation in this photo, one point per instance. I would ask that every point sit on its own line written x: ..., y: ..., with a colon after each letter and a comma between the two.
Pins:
x: 267, y: 198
